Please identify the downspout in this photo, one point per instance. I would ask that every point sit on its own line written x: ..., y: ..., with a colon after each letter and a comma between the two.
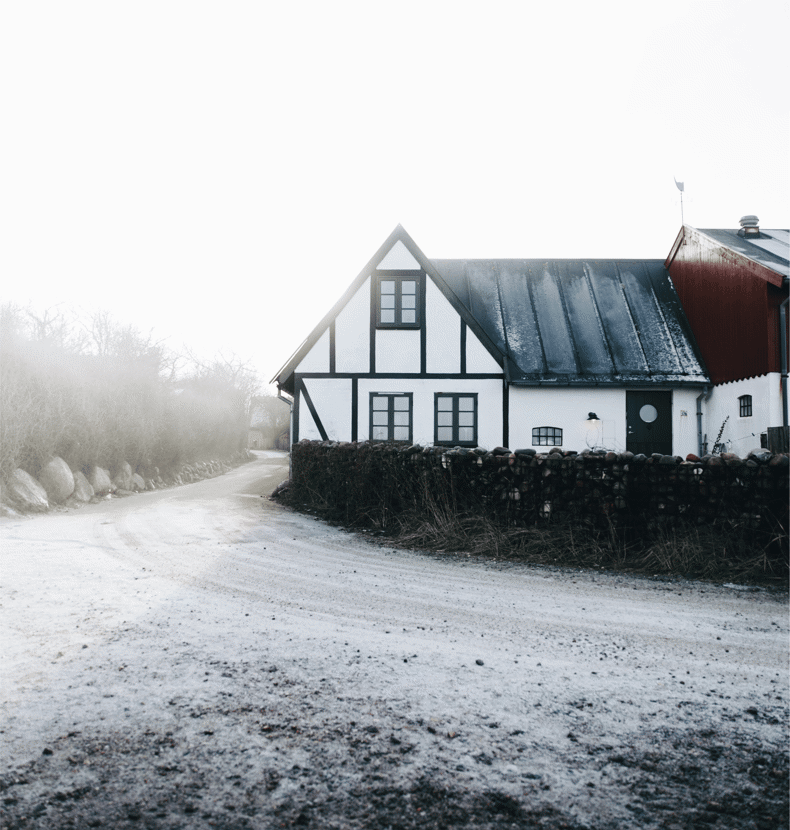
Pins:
x: 704, y: 395
x: 783, y: 356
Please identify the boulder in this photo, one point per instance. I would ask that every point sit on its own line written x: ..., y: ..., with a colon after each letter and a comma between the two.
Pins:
x: 24, y: 491
x: 57, y: 479
x: 123, y: 476
x: 99, y: 479
x: 83, y: 490
x: 138, y: 482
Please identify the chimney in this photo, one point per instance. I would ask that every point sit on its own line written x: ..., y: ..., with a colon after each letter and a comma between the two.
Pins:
x: 750, y: 226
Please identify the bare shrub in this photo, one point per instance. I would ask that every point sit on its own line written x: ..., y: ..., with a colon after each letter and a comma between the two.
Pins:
x: 97, y: 392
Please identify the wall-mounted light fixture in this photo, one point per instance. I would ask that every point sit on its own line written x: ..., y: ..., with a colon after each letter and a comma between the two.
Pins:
x: 591, y: 416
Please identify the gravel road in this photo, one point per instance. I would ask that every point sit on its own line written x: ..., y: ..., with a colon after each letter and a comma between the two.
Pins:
x: 203, y: 657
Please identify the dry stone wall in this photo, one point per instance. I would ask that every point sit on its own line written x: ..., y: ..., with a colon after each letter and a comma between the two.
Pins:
x: 369, y: 485
x: 56, y: 484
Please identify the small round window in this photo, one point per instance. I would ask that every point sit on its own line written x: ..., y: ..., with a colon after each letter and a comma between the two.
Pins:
x: 648, y: 413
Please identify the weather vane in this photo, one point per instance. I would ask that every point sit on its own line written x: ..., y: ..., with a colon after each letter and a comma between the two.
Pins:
x: 679, y: 186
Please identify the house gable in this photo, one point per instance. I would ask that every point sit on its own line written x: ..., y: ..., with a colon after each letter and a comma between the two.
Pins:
x: 730, y: 289
x: 353, y: 339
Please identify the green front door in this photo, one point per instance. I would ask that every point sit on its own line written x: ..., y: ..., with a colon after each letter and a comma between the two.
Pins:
x: 648, y: 418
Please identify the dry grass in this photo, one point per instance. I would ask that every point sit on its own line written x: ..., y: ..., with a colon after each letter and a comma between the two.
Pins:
x: 704, y: 552
x: 417, y: 502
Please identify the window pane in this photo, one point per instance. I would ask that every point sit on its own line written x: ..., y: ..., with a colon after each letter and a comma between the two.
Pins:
x: 409, y: 317
x: 388, y: 301
x: 380, y: 418
x: 387, y: 316
x: 444, y: 403
x: 466, y: 419
x: 401, y: 434
x: 444, y: 419
x: 380, y: 433
x: 388, y: 286
x: 380, y: 402
x: 445, y: 434
x: 408, y: 287
x: 409, y: 301
x: 466, y: 434
x: 401, y: 418
x: 466, y: 404
x: 401, y: 402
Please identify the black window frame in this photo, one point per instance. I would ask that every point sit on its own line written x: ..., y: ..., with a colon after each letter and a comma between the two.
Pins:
x: 455, y: 426
x: 536, y: 434
x: 745, y: 409
x: 399, y: 277
x: 391, y: 420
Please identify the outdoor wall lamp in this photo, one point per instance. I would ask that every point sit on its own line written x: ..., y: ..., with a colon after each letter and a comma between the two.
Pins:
x: 591, y: 416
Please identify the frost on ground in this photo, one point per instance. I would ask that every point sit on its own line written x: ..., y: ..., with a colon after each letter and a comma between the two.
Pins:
x: 202, y: 657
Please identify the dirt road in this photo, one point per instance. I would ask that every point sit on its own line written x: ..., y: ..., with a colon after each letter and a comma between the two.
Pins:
x: 201, y: 657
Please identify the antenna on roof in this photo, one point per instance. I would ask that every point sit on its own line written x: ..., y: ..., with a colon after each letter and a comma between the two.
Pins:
x: 679, y: 186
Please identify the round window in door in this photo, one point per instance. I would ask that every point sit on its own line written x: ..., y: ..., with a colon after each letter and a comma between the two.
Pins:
x: 648, y: 413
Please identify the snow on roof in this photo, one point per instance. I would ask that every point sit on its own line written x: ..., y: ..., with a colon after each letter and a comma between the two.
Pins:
x: 771, y: 248
x: 579, y: 321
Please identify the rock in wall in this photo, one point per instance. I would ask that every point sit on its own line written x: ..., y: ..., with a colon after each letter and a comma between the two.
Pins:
x: 57, y: 479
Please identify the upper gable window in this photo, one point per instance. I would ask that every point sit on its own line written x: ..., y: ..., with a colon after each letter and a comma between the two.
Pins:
x: 745, y: 406
x: 399, y: 300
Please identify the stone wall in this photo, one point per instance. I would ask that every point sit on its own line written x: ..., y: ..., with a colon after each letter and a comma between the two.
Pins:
x: 369, y: 484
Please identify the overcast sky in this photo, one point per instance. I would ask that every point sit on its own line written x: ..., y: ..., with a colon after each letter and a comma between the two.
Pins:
x: 221, y: 171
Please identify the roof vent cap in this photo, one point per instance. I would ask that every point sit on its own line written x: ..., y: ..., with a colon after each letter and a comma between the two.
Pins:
x: 750, y: 226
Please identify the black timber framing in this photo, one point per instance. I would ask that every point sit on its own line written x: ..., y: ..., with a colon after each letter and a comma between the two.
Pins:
x: 303, y: 393
x: 286, y: 375
x: 354, y: 408
x: 404, y: 375
x: 463, y: 347
x: 505, y: 413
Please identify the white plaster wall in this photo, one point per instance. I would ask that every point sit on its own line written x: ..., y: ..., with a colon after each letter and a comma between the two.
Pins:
x: 743, y: 434
x: 443, y: 332
x: 567, y: 409
x: 398, y: 350
x: 478, y: 358
x: 489, y: 401
x: 331, y: 398
x: 307, y: 427
x: 352, y: 333
x: 317, y: 359
x: 397, y: 257
x: 684, y: 421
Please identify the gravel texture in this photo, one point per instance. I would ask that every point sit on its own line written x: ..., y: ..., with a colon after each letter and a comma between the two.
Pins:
x: 203, y: 657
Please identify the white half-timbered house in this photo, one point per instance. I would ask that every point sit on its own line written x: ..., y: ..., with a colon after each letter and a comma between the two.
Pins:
x: 517, y: 353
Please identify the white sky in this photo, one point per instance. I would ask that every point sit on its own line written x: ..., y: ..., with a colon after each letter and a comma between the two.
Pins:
x: 221, y: 171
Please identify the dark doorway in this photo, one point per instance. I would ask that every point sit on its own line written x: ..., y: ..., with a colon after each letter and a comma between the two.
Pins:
x: 648, y: 417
